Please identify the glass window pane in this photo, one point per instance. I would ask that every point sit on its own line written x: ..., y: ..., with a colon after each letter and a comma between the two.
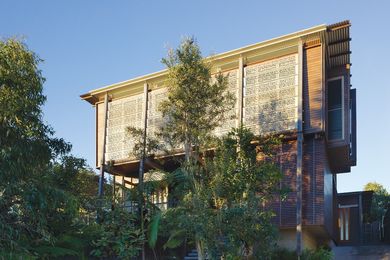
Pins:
x: 341, y: 224
x: 335, y: 124
x: 347, y: 224
x: 334, y: 94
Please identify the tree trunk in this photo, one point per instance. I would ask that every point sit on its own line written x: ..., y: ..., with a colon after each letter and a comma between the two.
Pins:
x: 199, y: 249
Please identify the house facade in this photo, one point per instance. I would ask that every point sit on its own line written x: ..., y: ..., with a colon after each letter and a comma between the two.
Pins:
x: 297, y: 84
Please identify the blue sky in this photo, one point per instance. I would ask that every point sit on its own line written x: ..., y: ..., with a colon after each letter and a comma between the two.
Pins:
x: 87, y: 44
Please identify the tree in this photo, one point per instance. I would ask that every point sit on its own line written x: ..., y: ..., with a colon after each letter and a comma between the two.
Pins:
x: 227, y: 211
x: 240, y: 186
x: 196, y: 104
x: 43, y: 188
x: 380, y: 200
x: 220, y: 184
x: 27, y: 147
x: 45, y: 192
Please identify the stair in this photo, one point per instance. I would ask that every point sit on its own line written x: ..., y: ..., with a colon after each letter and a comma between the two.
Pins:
x: 193, y: 255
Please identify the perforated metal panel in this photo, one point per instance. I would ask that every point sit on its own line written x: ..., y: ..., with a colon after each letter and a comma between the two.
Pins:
x: 123, y: 113
x: 271, y: 95
x: 231, y: 116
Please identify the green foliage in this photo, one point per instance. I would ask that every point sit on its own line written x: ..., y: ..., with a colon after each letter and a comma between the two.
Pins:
x: 153, y: 229
x: 72, y: 175
x: 43, y: 190
x: 318, y: 254
x: 196, y: 104
x: 30, y: 205
x: 241, y: 185
x: 119, y: 237
x: 380, y: 201
x: 214, y: 193
x: 308, y: 254
x: 215, y: 197
x: 283, y: 254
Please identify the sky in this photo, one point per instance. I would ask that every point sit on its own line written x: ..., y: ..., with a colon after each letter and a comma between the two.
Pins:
x: 87, y: 44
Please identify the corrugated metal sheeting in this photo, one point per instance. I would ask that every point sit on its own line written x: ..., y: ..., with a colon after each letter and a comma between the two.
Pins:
x: 338, y: 44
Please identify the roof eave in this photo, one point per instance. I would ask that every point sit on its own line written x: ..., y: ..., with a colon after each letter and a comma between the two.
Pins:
x: 91, y: 95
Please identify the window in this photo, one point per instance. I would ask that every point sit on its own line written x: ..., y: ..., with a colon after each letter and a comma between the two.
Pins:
x: 344, y: 223
x: 160, y: 198
x: 335, y: 109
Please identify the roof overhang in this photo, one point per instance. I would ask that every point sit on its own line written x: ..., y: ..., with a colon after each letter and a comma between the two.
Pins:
x: 337, y: 41
x: 288, y: 40
x: 336, y: 38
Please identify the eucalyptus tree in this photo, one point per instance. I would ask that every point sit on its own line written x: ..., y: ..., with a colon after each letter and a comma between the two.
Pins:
x: 35, y: 204
x: 196, y: 104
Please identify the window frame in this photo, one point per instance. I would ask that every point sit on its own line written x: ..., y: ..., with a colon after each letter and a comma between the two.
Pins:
x: 342, y: 108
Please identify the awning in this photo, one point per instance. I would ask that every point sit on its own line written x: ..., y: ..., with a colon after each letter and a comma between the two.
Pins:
x: 338, y: 44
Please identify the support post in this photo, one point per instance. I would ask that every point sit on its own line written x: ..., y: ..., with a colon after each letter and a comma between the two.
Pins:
x: 123, y: 191
x: 103, y: 157
x: 299, y: 151
x: 142, y: 165
x: 113, y: 192
x: 361, y: 219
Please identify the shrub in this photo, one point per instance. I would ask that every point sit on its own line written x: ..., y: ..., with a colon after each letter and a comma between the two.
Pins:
x: 308, y: 254
x: 119, y: 236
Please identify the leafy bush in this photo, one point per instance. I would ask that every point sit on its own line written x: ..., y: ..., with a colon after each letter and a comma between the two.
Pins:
x: 318, y: 254
x: 119, y: 236
x: 308, y: 254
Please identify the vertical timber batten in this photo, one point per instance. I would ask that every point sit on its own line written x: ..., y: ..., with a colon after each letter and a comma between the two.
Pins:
x: 103, y: 158
x: 145, y: 119
x: 299, y: 151
x: 240, y: 95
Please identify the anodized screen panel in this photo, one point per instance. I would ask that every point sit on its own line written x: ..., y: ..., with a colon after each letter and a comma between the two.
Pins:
x: 123, y: 113
x: 231, y: 116
x: 155, y: 118
x: 271, y: 95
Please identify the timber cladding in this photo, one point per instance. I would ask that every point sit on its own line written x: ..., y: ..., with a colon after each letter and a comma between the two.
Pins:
x: 314, y: 170
x: 313, y: 89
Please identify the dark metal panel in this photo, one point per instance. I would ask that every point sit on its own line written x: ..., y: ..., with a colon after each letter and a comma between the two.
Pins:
x: 353, y: 155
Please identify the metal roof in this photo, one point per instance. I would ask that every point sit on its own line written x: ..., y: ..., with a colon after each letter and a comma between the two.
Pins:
x: 335, y: 36
x: 338, y: 44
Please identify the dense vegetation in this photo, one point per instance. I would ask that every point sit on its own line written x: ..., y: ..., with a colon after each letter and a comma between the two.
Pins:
x: 47, y: 196
x: 219, y: 191
x: 380, y: 201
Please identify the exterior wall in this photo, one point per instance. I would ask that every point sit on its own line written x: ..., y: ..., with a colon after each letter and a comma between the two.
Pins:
x: 286, y: 209
x: 317, y: 185
x: 313, y: 181
x: 317, y: 193
x: 330, y: 198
